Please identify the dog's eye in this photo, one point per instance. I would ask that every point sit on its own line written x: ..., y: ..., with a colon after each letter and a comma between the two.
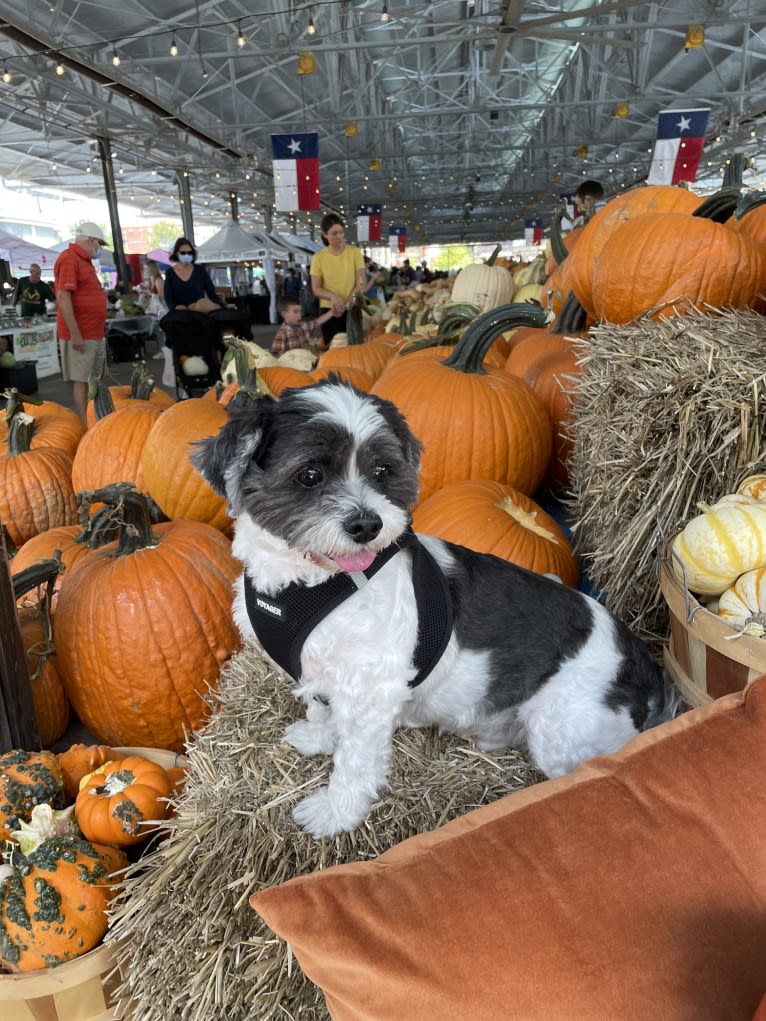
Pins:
x: 380, y: 472
x: 310, y: 476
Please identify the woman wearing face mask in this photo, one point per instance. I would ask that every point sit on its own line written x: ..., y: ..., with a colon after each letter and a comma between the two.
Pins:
x: 186, y: 283
x: 336, y: 272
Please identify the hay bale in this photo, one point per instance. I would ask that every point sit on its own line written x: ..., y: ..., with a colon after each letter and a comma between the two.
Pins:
x: 189, y: 945
x: 667, y: 414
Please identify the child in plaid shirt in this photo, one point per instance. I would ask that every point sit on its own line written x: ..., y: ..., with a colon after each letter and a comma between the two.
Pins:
x: 294, y: 332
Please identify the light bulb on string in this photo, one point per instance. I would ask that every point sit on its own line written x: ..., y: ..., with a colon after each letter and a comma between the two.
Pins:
x: 384, y: 15
x: 115, y: 58
x: 311, y: 27
x: 59, y: 69
x: 173, y: 47
x: 240, y: 37
x: 6, y: 75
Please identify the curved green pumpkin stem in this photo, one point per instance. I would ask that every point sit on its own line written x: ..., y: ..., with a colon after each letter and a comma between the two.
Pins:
x: 558, y: 248
x: 452, y: 324
x: 720, y: 206
x: 101, y: 396
x: 354, y: 321
x: 141, y: 383
x: 572, y: 318
x: 21, y: 429
x: 472, y: 347
x: 748, y: 202
x: 42, y: 576
x: 491, y: 260
x: 126, y: 517
x: 15, y: 401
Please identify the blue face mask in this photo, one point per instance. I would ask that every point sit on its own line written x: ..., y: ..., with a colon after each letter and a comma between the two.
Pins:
x: 186, y: 259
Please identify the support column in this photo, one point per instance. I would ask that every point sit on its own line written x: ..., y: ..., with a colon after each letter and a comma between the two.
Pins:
x: 184, y: 198
x: 234, y: 204
x: 107, y: 168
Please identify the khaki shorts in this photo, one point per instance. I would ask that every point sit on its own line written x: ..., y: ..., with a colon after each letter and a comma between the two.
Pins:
x: 79, y: 366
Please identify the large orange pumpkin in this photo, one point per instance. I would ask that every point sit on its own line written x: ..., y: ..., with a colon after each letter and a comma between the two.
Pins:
x: 53, y: 424
x: 582, y: 261
x: 474, y: 423
x: 492, y: 518
x: 113, y: 447
x: 144, y: 625
x: 45, y: 545
x: 35, y: 485
x: 169, y: 476
x: 750, y: 217
x: 669, y: 262
x: 371, y: 357
x: 141, y: 387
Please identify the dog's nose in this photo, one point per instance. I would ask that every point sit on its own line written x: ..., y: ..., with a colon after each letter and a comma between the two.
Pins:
x: 363, y: 526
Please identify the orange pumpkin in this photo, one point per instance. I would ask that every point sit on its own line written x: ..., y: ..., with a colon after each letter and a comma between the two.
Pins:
x: 144, y: 625
x: 112, y: 449
x: 169, y: 476
x: 371, y: 357
x: 43, y: 546
x: 35, y: 485
x: 118, y: 802
x: 474, y: 423
x: 670, y: 262
x: 81, y: 759
x: 582, y: 261
x: 53, y: 424
x: 141, y: 387
x: 492, y: 518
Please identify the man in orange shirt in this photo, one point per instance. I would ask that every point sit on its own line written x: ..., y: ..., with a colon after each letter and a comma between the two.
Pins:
x: 81, y: 312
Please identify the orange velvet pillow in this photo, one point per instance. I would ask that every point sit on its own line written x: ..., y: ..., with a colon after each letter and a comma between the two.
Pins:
x: 633, y: 889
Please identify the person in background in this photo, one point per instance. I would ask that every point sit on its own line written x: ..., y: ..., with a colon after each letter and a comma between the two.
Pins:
x: 295, y: 332
x: 81, y: 312
x: 32, y: 292
x: 186, y: 283
x: 291, y: 284
x: 589, y: 199
x: 156, y: 287
x: 336, y: 273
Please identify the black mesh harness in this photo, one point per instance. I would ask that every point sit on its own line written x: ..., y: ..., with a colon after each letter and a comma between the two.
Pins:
x: 282, y: 623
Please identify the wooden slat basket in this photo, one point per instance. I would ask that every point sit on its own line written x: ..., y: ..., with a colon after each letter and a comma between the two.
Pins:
x: 705, y: 656
x: 81, y: 989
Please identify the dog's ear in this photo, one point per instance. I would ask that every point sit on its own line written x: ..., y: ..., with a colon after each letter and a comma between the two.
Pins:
x: 221, y: 459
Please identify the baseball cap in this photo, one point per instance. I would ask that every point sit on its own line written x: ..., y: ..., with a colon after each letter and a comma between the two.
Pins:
x: 88, y: 229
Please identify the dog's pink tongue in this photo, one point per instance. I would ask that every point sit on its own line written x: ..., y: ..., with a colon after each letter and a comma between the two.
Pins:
x: 358, y: 562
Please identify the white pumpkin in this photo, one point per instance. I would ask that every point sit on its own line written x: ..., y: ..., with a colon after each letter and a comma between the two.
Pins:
x: 485, y: 285
x: 716, y: 547
x: 746, y: 597
x: 754, y: 486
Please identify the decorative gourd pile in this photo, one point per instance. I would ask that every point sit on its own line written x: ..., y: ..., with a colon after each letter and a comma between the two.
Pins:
x: 720, y: 556
x: 67, y: 820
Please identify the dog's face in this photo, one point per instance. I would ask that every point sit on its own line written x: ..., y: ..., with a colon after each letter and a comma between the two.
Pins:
x: 329, y: 469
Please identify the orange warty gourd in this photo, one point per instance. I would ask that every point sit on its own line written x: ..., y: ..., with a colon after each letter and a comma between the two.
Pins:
x: 35, y: 485
x: 169, y: 476
x: 672, y: 261
x: 53, y: 905
x: 492, y: 518
x: 115, y: 804
x: 474, y: 423
x: 27, y: 779
x: 144, y: 626
x: 582, y: 261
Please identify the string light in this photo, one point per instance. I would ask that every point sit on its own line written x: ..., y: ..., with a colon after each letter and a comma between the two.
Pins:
x: 115, y: 58
x: 240, y: 38
x: 173, y: 47
x: 384, y: 14
x: 311, y: 29
x: 59, y: 69
x: 6, y: 75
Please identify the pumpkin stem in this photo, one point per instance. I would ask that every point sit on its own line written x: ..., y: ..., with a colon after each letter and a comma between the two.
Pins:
x: 41, y: 575
x: 572, y: 318
x: 15, y: 403
x: 491, y: 260
x: 141, y: 383
x: 126, y: 517
x: 558, y: 248
x: 354, y: 321
x: 21, y: 428
x: 472, y: 347
x: 748, y: 202
x: 101, y: 395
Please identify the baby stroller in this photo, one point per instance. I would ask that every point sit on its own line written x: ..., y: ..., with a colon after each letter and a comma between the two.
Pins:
x: 196, y: 346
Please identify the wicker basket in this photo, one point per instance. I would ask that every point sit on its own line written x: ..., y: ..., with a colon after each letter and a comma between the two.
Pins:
x: 705, y: 656
x: 79, y: 990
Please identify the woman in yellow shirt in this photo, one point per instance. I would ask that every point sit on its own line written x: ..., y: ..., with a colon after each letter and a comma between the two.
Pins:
x: 336, y: 272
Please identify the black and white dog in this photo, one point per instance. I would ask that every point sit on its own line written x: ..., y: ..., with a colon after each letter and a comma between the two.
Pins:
x: 382, y: 629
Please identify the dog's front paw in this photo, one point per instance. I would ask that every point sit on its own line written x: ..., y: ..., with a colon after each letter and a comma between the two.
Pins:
x: 318, y: 816
x: 310, y: 738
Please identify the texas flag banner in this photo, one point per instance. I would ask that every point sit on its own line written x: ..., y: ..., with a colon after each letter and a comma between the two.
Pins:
x: 296, y: 171
x: 397, y: 238
x: 677, y: 151
x: 533, y: 232
x: 368, y: 223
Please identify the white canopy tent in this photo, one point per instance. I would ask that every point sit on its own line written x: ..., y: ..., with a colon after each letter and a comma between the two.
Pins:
x: 20, y: 253
x: 232, y: 244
